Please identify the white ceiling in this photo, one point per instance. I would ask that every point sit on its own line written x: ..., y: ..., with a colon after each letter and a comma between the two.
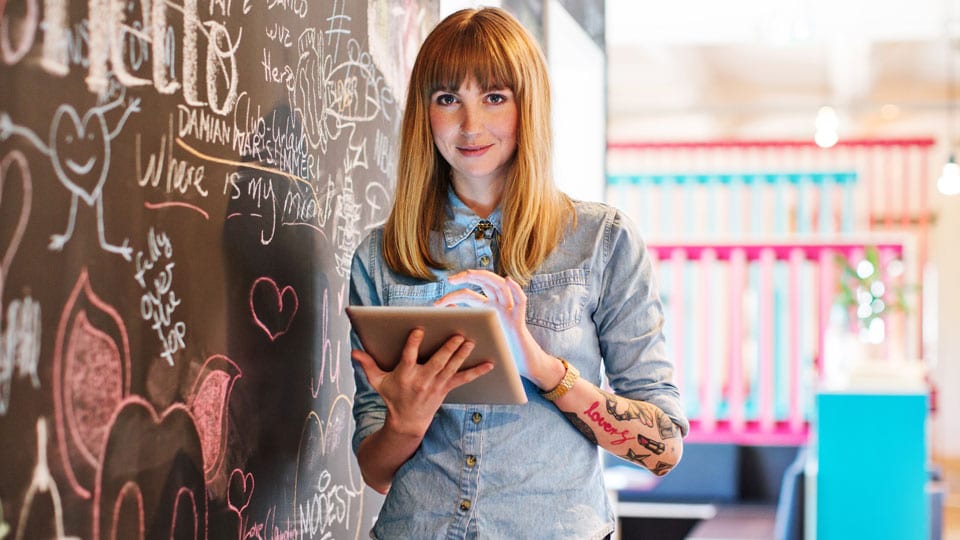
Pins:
x: 693, y: 69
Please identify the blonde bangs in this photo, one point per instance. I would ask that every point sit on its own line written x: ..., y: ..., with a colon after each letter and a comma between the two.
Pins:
x: 468, y: 50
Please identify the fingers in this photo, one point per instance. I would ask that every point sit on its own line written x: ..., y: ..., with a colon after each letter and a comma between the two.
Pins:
x: 464, y: 297
x: 461, y: 378
x: 369, y: 365
x: 451, y: 371
x: 451, y: 356
x: 504, y: 291
x: 411, y: 350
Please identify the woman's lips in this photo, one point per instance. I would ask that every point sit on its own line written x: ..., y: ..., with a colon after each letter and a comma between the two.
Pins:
x: 473, y: 151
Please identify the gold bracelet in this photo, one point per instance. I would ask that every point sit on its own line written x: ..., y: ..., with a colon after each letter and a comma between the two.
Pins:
x: 570, y: 376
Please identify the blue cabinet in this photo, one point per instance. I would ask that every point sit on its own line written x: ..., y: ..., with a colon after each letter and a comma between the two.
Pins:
x: 870, y: 467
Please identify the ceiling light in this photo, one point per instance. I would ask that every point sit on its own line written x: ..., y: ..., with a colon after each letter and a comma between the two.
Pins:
x: 949, y: 181
x: 826, y: 127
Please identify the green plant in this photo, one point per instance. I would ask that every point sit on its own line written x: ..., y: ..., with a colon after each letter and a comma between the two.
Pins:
x: 869, y: 289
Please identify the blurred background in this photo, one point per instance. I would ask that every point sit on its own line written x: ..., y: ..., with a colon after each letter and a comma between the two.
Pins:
x: 791, y: 165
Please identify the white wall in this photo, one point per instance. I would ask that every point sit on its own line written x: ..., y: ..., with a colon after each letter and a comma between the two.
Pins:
x: 946, y: 372
x: 578, y: 85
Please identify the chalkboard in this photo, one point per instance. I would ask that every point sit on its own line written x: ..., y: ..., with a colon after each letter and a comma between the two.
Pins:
x: 182, y: 185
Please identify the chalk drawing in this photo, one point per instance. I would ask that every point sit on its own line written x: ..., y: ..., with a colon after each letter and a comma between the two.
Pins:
x: 42, y: 483
x: 20, y: 331
x: 208, y: 401
x: 328, y: 506
x: 170, y: 493
x: 267, y: 306
x: 80, y: 152
x: 91, y: 376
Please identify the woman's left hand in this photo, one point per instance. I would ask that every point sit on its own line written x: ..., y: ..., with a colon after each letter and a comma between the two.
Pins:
x: 506, y: 296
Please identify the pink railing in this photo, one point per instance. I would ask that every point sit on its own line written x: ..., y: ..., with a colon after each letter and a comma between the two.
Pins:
x: 747, y: 324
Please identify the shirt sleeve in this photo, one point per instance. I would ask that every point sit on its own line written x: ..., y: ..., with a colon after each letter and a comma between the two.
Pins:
x: 630, y: 322
x: 369, y: 411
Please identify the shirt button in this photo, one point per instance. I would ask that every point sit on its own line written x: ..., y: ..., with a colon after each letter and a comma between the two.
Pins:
x: 477, y: 417
x: 484, y: 260
x: 465, y: 505
x: 471, y: 461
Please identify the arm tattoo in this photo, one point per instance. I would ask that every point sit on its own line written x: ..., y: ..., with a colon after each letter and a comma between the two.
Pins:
x: 635, y: 457
x: 661, y: 468
x: 582, y: 427
x: 656, y: 447
x: 667, y: 428
x: 635, y: 410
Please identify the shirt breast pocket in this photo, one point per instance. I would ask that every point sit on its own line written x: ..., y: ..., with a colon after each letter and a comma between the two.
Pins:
x: 557, y: 300
x: 413, y: 295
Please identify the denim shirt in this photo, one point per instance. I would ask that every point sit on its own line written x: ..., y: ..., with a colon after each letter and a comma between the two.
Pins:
x: 524, y: 471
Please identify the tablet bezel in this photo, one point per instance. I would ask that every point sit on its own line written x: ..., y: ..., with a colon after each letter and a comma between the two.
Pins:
x: 383, y: 332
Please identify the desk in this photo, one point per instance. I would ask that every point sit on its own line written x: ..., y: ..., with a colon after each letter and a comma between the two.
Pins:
x: 741, y: 522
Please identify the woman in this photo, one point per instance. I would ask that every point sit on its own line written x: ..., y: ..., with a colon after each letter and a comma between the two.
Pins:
x: 476, y: 210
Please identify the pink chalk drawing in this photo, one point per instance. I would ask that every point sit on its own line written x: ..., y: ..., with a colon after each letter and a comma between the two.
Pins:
x: 328, y: 490
x: 208, y: 403
x: 189, y: 528
x: 91, y: 376
x: 171, y: 204
x: 268, y: 308
x: 129, y: 495
x: 156, y: 458
x: 16, y: 235
x: 241, y: 491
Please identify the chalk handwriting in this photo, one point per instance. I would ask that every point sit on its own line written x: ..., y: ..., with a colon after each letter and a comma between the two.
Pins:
x: 121, y: 47
x: 19, y: 347
x: 181, y: 176
x: 271, y: 528
x: 298, y: 7
x: 24, y: 28
x: 201, y: 125
x: 159, y: 300
x: 328, y: 505
x: 280, y: 33
x: 329, y: 357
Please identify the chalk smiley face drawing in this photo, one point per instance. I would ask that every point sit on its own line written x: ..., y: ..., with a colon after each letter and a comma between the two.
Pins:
x: 80, y: 151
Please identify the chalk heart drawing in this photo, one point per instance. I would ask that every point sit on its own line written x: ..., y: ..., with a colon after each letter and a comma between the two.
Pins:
x: 12, y: 207
x: 79, y: 149
x: 328, y: 489
x: 208, y: 402
x: 273, y: 308
x: 240, y: 492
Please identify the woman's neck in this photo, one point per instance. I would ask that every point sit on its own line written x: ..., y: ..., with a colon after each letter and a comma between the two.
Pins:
x: 482, y: 201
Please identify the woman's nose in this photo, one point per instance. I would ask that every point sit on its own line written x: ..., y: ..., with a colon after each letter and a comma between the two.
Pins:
x: 471, y: 121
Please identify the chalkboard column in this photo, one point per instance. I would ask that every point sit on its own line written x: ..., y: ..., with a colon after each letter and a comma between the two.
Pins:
x: 182, y: 185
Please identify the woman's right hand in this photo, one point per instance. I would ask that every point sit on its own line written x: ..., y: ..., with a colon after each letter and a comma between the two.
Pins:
x: 413, y: 392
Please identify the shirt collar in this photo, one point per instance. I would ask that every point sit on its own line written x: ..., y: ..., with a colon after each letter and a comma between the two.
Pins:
x: 461, y: 220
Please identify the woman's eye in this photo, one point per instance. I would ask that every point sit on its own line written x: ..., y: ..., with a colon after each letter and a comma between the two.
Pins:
x: 446, y: 99
x: 496, y: 98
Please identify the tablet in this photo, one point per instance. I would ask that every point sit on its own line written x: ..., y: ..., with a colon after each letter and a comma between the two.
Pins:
x: 383, y: 331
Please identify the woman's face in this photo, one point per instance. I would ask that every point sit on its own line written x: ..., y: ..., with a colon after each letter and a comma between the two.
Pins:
x: 476, y: 132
